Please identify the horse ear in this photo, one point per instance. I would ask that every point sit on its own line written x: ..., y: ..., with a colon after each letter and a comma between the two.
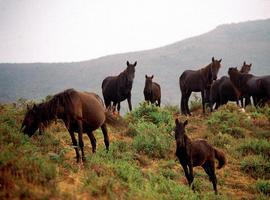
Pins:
x: 152, y: 76
x: 28, y: 107
x: 176, y: 121
x: 127, y: 63
x: 244, y: 63
x: 145, y: 76
x: 185, y: 123
x: 220, y: 60
x: 34, y: 107
x: 135, y: 64
x: 250, y: 65
x: 213, y: 59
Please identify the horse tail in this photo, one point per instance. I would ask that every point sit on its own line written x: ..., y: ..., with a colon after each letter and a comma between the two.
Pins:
x: 114, y: 120
x: 220, y: 156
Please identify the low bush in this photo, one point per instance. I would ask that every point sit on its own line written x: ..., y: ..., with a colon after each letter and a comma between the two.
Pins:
x: 256, y: 166
x: 263, y: 186
x: 255, y: 146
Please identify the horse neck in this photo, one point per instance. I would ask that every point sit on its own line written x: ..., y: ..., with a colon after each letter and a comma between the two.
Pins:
x: 122, y: 77
x: 148, y: 86
x: 48, y: 111
x: 206, y: 74
x: 184, y: 146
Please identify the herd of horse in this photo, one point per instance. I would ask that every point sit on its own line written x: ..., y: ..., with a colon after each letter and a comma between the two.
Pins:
x: 84, y: 112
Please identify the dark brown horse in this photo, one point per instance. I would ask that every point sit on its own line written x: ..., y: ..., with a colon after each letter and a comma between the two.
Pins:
x: 152, y: 91
x: 197, y: 81
x: 222, y: 90
x: 118, y: 88
x: 82, y: 112
x: 249, y: 85
x: 196, y: 153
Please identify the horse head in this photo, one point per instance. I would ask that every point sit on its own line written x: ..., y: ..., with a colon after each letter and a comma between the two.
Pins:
x: 215, y: 66
x: 31, y: 121
x: 245, y: 68
x: 148, y: 82
x: 180, y: 132
x: 130, y: 70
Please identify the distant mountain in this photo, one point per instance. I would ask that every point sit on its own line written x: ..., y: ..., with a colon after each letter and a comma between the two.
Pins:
x: 234, y: 43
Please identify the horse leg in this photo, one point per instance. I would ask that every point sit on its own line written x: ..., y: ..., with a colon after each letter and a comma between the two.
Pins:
x: 159, y: 101
x: 75, y: 144
x: 106, y: 137
x: 129, y: 102
x: 203, y: 101
x: 209, y: 168
x: 187, y: 174
x: 92, y: 140
x: 80, y: 136
x: 182, y: 105
x: 191, y: 176
x: 186, y: 103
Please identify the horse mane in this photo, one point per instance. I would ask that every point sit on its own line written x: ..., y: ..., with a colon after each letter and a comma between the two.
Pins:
x: 49, y: 110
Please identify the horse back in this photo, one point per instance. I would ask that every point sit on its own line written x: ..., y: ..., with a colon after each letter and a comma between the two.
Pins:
x: 191, y: 80
x: 156, y: 89
x: 201, y: 151
x: 89, y: 108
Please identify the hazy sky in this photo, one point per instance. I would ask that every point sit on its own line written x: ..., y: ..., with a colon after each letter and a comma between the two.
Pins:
x: 75, y: 30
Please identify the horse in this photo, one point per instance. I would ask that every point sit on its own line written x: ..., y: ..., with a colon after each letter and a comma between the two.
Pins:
x: 118, y: 88
x: 196, y: 153
x: 197, y: 81
x: 152, y: 91
x: 249, y: 85
x: 81, y: 112
x: 222, y: 90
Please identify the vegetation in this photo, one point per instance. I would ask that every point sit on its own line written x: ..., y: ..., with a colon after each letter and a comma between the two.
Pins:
x: 140, y: 163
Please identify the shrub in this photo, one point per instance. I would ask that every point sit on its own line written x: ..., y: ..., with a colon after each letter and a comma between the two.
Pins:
x: 263, y: 186
x: 151, y: 141
x: 256, y: 146
x: 256, y: 166
x: 229, y: 119
x: 151, y: 113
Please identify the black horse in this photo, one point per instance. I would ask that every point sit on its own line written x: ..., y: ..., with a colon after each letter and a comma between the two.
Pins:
x: 196, y: 153
x: 118, y: 88
x: 222, y: 90
x: 249, y: 85
x: 197, y: 81
x: 152, y: 91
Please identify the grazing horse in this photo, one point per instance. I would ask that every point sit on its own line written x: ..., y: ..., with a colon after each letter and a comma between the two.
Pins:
x: 222, y: 90
x: 197, y: 81
x: 152, y: 91
x: 81, y: 112
x: 196, y: 153
x: 249, y: 85
x: 118, y: 88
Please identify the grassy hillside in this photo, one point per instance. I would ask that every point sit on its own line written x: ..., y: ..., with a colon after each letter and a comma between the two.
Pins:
x: 234, y: 43
x: 141, y: 162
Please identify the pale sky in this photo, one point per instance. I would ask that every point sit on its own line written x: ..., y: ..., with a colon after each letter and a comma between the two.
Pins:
x: 76, y: 30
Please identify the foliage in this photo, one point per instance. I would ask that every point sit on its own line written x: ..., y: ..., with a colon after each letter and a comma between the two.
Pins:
x: 229, y: 119
x: 255, y: 146
x: 256, y: 165
x: 263, y: 186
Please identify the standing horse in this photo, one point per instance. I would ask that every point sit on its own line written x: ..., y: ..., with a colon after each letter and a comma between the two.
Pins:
x: 196, y: 153
x: 197, y: 81
x: 80, y: 111
x: 222, y: 90
x: 152, y: 91
x: 118, y: 88
x: 249, y: 85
